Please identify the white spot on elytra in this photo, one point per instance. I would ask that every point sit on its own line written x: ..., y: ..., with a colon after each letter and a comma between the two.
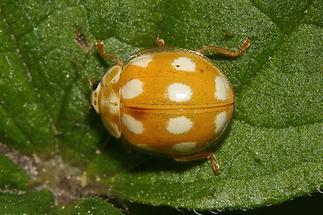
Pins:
x: 184, y: 147
x: 179, y: 125
x: 133, y: 125
x: 178, y: 92
x: 132, y: 89
x: 221, y: 88
x: 220, y: 121
x: 184, y: 64
x: 142, y: 60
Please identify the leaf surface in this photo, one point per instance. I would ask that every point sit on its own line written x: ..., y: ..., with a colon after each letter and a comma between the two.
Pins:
x: 272, y: 151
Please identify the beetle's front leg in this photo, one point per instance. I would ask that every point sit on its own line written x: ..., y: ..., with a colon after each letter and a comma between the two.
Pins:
x: 213, y: 50
x: 107, y: 55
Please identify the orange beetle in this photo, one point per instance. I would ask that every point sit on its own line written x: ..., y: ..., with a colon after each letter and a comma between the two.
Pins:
x: 167, y: 101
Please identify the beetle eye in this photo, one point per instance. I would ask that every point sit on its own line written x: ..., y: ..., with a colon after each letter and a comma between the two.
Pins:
x: 95, y: 85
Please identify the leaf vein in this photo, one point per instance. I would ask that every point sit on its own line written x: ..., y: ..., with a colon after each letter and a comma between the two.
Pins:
x: 25, y: 66
x: 268, y: 56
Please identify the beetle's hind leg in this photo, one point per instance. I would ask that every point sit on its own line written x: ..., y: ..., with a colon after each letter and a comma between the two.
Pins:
x: 213, y: 50
x: 199, y: 156
x: 107, y: 55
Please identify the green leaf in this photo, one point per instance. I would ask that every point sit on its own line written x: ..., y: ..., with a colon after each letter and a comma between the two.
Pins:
x: 42, y: 202
x: 271, y: 152
x: 26, y: 203
x: 11, y: 176
x: 89, y: 206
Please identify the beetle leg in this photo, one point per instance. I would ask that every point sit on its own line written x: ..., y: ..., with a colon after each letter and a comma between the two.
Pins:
x: 107, y: 55
x: 213, y: 50
x: 202, y: 155
x: 160, y: 42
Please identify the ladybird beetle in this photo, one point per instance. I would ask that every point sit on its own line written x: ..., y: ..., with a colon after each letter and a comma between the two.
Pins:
x: 167, y: 101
